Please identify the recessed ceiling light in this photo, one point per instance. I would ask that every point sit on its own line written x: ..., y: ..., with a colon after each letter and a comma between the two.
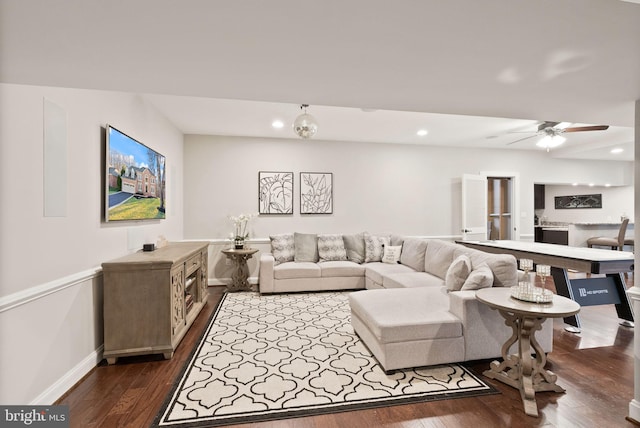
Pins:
x: 591, y: 184
x: 422, y: 132
x: 575, y: 184
x: 277, y: 124
x: 617, y: 150
x: 607, y: 185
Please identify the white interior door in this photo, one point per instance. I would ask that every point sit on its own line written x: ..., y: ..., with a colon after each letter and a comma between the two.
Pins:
x: 474, y: 207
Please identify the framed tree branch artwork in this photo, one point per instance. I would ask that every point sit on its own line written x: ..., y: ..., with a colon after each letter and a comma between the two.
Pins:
x: 275, y: 192
x: 316, y: 193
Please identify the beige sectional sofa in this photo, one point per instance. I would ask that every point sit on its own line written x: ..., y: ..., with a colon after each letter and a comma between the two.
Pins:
x: 418, y: 307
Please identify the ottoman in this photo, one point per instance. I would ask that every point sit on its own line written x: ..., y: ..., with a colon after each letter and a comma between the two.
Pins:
x: 407, y: 327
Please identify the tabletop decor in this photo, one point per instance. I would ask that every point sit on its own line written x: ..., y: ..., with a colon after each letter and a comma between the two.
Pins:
x: 240, y: 234
x: 527, y: 291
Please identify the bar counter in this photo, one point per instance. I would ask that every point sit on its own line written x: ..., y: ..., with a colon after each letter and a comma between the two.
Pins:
x: 579, y: 232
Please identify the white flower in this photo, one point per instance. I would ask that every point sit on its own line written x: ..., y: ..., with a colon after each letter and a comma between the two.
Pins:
x: 240, y: 225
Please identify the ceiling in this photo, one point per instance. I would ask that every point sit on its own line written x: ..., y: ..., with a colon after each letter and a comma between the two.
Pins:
x: 474, y: 74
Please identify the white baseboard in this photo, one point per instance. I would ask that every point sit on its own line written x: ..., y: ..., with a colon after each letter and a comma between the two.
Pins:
x: 66, y: 382
x: 214, y: 282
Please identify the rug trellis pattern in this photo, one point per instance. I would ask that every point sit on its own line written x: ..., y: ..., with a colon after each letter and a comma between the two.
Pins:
x: 276, y: 356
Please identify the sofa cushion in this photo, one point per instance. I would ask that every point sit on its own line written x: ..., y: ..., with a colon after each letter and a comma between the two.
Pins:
x: 331, y: 247
x: 406, y: 314
x: 413, y: 250
x: 377, y: 270
x: 340, y: 268
x: 373, y: 246
x: 439, y: 256
x: 458, y: 272
x: 396, y: 240
x: 354, y: 245
x: 291, y: 270
x: 480, y: 277
x: 282, y: 248
x: 503, y: 266
x: 391, y: 254
x: 306, y: 247
x: 411, y: 279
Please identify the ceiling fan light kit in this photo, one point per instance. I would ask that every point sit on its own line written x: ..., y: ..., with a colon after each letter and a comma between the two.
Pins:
x: 305, y: 125
x: 551, y: 141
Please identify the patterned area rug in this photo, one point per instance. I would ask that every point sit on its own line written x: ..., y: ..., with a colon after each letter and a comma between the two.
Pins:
x: 267, y: 357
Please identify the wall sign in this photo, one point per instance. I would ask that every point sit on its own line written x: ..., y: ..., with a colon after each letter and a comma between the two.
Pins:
x: 578, y: 201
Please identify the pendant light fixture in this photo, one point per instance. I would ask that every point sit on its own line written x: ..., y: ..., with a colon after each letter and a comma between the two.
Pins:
x: 305, y: 125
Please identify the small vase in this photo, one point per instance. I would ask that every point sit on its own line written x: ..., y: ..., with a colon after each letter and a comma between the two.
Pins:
x: 239, y: 243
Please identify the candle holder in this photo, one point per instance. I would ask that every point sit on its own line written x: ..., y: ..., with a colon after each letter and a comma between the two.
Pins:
x: 543, y: 271
x: 526, y: 265
x: 526, y: 291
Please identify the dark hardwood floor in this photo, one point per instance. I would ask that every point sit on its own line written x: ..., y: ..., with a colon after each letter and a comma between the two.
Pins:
x: 595, y: 367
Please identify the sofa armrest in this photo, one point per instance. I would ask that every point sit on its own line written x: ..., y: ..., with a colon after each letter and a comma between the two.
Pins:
x: 484, y: 329
x: 265, y: 275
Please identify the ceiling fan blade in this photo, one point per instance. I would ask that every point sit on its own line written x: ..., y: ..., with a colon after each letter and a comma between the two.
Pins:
x: 587, y: 128
x: 521, y: 139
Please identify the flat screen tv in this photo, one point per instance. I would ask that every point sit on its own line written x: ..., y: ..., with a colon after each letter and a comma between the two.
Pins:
x: 135, y: 179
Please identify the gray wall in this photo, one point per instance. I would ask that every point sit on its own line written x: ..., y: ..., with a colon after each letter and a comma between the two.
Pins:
x: 616, y: 201
x: 404, y: 189
x: 50, y: 285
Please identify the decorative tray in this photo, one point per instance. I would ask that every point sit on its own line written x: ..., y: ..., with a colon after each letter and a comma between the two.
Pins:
x: 531, y: 294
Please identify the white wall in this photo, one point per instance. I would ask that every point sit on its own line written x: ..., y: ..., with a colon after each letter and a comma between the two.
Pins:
x: 403, y: 189
x: 616, y: 201
x: 47, y: 340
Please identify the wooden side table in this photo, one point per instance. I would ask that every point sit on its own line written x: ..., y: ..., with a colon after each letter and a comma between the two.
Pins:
x: 241, y: 273
x: 523, y: 371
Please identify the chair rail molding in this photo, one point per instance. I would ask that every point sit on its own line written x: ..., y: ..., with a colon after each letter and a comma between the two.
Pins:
x: 33, y: 293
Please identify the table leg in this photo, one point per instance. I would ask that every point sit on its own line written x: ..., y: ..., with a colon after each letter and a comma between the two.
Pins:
x: 506, y: 371
x: 524, y: 371
x: 624, y: 308
x: 561, y: 281
x: 613, y: 282
x: 240, y: 275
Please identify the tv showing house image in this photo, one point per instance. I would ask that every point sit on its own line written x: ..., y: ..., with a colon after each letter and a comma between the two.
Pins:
x: 135, y: 179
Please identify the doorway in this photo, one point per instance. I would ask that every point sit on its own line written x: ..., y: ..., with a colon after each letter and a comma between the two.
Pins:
x: 499, y: 207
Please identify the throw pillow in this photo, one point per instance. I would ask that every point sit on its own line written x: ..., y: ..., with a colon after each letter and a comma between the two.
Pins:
x: 331, y: 248
x: 282, y: 248
x: 413, y: 250
x: 354, y: 244
x: 305, y: 247
x: 480, y: 277
x: 373, y: 246
x: 391, y: 254
x: 458, y: 273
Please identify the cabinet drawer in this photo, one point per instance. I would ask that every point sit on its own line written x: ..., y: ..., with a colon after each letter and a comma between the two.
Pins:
x: 192, y: 264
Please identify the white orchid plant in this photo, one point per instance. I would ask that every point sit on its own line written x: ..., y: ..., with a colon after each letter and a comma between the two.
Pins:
x: 240, y: 223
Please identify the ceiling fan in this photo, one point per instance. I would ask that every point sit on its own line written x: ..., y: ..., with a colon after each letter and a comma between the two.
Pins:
x: 552, y: 133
